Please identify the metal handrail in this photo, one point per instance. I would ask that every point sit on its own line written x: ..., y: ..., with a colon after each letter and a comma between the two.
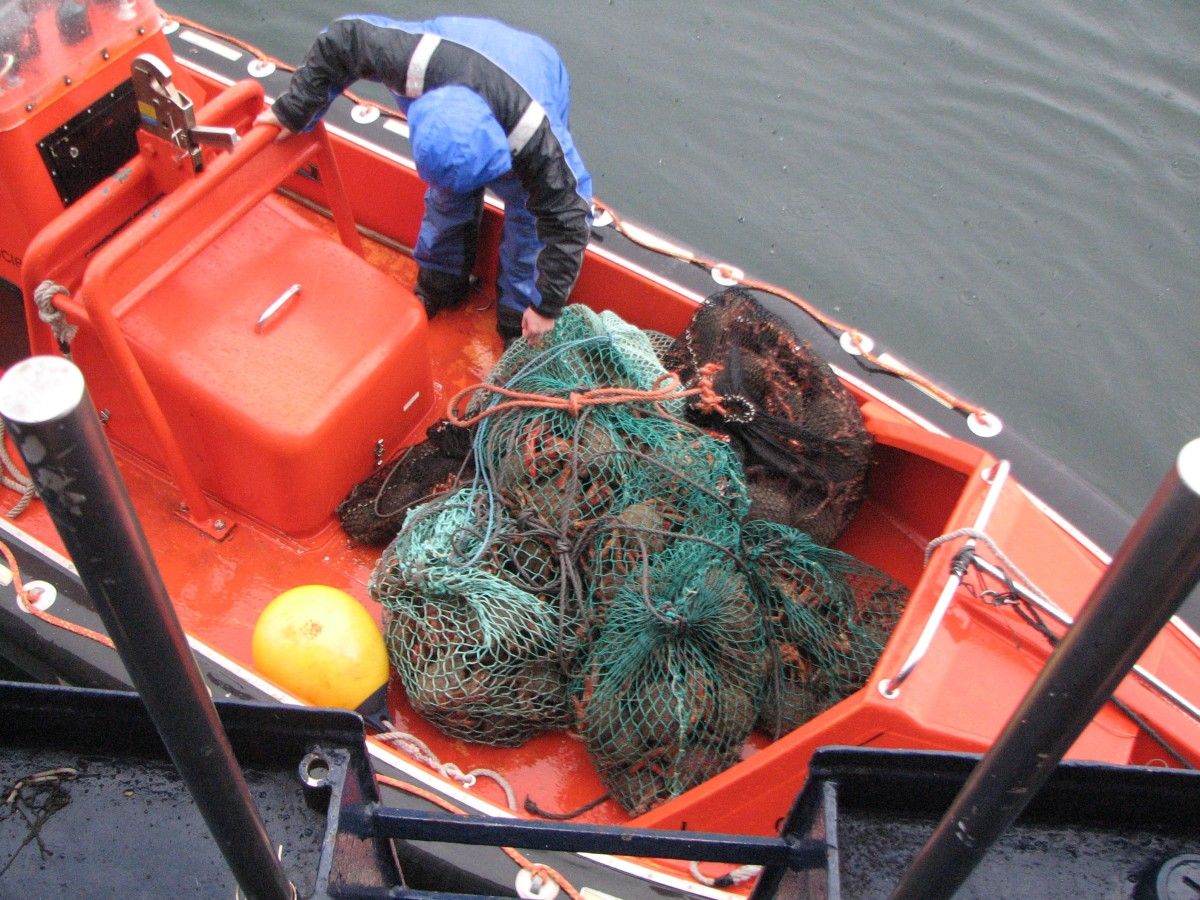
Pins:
x: 1062, y: 618
x: 890, y: 687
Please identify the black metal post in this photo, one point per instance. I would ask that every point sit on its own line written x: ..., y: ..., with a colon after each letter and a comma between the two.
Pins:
x: 1154, y: 571
x: 420, y: 825
x: 45, y: 404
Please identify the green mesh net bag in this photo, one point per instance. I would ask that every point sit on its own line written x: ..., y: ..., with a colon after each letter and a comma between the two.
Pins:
x: 559, y: 466
x: 477, y: 656
x: 828, y: 616
x: 682, y: 485
x: 797, y: 430
x: 672, y: 684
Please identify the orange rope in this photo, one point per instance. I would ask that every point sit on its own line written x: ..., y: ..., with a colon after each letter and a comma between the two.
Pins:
x: 519, y: 858
x: 575, y: 402
x: 26, y: 604
x: 811, y: 311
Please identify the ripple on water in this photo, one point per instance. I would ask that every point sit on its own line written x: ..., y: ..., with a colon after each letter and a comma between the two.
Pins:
x: 1186, y: 166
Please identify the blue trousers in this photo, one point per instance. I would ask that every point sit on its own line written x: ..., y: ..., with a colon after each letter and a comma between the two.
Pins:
x: 449, y: 238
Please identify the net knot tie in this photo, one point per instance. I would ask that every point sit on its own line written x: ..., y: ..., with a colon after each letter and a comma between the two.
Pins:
x: 708, y: 399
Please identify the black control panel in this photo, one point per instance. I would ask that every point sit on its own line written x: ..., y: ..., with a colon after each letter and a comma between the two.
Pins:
x: 89, y: 147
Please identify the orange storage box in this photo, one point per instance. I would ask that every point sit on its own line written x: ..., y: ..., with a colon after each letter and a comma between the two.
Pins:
x: 280, y: 423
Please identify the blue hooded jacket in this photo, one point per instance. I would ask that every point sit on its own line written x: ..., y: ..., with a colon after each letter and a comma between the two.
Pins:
x: 456, y: 141
x: 467, y: 84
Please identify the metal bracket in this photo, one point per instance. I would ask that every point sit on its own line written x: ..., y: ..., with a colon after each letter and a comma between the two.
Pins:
x: 169, y: 114
x: 214, y: 136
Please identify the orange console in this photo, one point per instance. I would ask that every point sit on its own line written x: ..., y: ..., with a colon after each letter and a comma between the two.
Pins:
x: 67, y: 113
x: 281, y: 420
x: 261, y: 362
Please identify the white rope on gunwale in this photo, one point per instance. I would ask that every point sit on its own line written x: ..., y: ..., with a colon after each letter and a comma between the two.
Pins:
x: 43, y: 296
x: 419, y: 750
x: 984, y: 538
x: 14, y: 479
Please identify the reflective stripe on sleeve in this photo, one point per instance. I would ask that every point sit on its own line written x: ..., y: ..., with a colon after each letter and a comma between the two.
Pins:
x: 525, y: 128
x: 414, y: 83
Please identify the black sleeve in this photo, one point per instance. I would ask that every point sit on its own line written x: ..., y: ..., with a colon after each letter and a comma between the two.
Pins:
x: 349, y: 49
x: 561, y: 217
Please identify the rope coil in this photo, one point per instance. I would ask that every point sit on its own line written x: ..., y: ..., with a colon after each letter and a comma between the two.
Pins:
x: 43, y: 297
x: 414, y: 747
x: 14, y: 479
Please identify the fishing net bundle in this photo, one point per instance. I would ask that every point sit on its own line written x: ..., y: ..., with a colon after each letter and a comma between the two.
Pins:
x: 600, y: 571
x: 476, y: 654
x: 828, y: 616
x: 673, y: 680
x: 796, y: 428
x: 483, y: 589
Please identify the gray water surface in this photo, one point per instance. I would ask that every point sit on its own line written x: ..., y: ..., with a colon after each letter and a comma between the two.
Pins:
x: 1005, y: 195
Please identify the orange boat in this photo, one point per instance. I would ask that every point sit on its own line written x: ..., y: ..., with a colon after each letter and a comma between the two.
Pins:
x: 242, y: 313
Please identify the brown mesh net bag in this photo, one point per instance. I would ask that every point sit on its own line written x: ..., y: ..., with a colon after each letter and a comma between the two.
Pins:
x: 796, y: 428
x: 375, y: 508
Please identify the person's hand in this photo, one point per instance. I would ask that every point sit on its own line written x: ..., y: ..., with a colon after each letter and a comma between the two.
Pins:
x: 268, y: 117
x: 534, y: 325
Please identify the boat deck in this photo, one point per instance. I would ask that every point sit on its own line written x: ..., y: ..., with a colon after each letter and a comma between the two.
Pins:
x: 186, y: 308
x: 220, y: 587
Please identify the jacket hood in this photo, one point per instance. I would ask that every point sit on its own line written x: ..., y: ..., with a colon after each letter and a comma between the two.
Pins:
x: 456, y: 141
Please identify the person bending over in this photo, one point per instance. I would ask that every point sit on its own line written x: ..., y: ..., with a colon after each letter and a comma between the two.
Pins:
x: 487, y: 107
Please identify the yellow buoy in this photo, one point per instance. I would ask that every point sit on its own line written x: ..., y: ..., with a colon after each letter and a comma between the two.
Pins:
x: 320, y: 644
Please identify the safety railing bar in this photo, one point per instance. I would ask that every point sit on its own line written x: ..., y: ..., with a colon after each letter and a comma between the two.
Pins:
x: 1152, y: 680
x: 890, y: 687
x: 421, y: 825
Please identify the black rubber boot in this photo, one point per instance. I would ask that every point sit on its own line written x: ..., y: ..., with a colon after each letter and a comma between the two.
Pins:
x: 508, y: 323
x: 441, y: 290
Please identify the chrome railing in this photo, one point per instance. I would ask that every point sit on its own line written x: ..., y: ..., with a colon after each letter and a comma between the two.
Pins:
x: 890, y: 687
